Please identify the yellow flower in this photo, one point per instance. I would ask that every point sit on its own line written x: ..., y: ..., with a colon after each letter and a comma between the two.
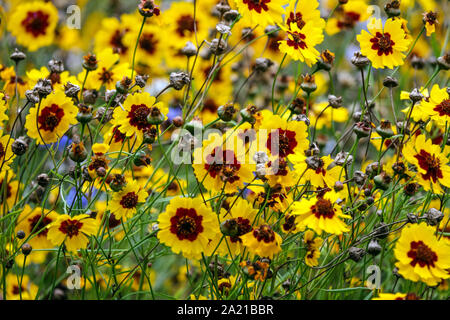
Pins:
x: 34, y: 223
x: 187, y: 226
x: 58, y: 79
x: 49, y: 121
x: 8, y: 190
x: 262, y: 12
x: 384, y: 46
x: 396, y: 296
x: 217, y: 165
x: 132, y: 119
x: 321, y: 213
x: 300, y: 43
x: 421, y: 256
x: 33, y: 24
x: 437, y: 106
x: 74, y: 232
x: 347, y: 16
x: 262, y: 241
x: 312, y: 248
x: 6, y: 154
x: 8, y: 75
x: 432, y: 165
x: 118, y: 142
x: 430, y: 20
x: 3, y: 109
x: 16, y: 290
x: 322, y: 175
x: 124, y: 203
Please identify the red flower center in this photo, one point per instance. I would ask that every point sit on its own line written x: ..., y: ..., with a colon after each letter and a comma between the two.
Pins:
x: 118, y: 136
x: 186, y: 224
x: 382, y: 43
x: 323, y: 208
x: 223, y: 163
x: 117, y: 41
x: 148, y: 43
x: 50, y: 117
x: 70, y: 227
x: 348, y: 20
x: 443, y: 108
x: 296, y: 18
x: 243, y: 227
x: 138, y: 116
x: 106, y: 76
x: 186, y: 23
x: 297, y: 41
x: 129, y: 201
x: 430, y: 164
x: 264, y: 233
x: 285, y: 144
x: 2, y: 151
x: 36, y: 224
x: 421, y: 254
x: 257, y: 5
x: 36, y: 23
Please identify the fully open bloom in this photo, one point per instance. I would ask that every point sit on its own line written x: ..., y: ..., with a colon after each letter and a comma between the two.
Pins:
x: 421, y: 256
x: 49, y: 121
x: 3, y: 109
x: 312, y: 248
x: 437, y: 106
x: 432, y: 165
x: 384, y: 46
x: 20, y: 288
x: 10, y: 79
x: 124, y: 203
x: 321, y: 213
x: 397, y: 296
x: 320, y: 172
x: 132, y: 118
x: 187, y: 226
x: 347, y: 15
x: 74, y: 232
x: 262, y: 241
x: 33, y: 24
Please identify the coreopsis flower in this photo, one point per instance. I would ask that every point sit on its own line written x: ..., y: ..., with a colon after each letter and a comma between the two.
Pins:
x: 313, y: 245
x: 125, y: 202
x: 384, y: 46
x: 8, y: 190
x: 74, y: 232
x: 262, y: 241
x: 98, y: 159
x: 58, y: 79
x: 6, y: 154
x: 3, y: 109
x: 48, y: 121
x: 321, y: 213
x: 284, y: 138
x: 113, y: 32
x: 235, y: 222
x: 218, y: 166
x: 276, y: 198
x: 118, y: 141
x: 20, y: 287
x: 300, y: 12
x: 278, y: 172
x: 421, y: 255
x: 430, y: 21
x: 34, y: 223
x: 187, y: 225
x: 33, y: 24
x: 262, y: 12
x: 347, y: 15
x: 432, y: 165
x: 396, y: 296
x: 300, y: 43
x: 319, y: 171
x: 437, y: 106
x: 133, y: 117
x: 10, y: 79
x: 107, y: 73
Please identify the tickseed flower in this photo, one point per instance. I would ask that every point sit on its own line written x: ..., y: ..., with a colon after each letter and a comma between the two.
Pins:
x: 262, y: 241
x: 319, y: 171
x: 284, y: 138
x: 218, y: 167
x: 421, y: 256
x: 430, y: 21
x: 98, y: 160
x: 186, y: 226
x: 34, y: 222
x: 347, y: 15
x: 262, y: 12
x: 384, y: 46
x: 278, y: 172
x: 8, y: 75
x: 236, y: 222
x: 118, y: 141
x: 132, y: 119
x: 300, y: 43
x: 312, y: 248
x: 397, y: 296
x: 321, y: 213
x: 8, y: 190
x: 437, y: 106
x: 74, y: 232
x: 3, y: 109
x: 124, y: 203
x: 58, y: 79
x: 6, y: 154
x: 24, y: 290
x: 33, y: 24
x: 49, y: 121
x: 432, y: 165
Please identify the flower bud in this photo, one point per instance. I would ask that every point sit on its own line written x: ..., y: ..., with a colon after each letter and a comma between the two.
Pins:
x: 19, y: 146
x: 262, y: 64
x: 392, y: 8
x: 117, y: 182
x: 90, y: 96
x: 334, y: 102
x: 362, y: 129
x: 17, y: 56
x: 84, y: 114
x: 148, y: 8
x: 43, y: 180
x: 178, y: 121
x: 43, y: 87
x: 21, y: 234
x: 390, y: 82
x: 90, y: 62
x: 444, y: 61
x: 141, y: 80
x: 142, y: 159
x: 56, y: 66
x: 26, y: 249
x: 77, y: 152
x: 179, y: 79
x: 189, y: 49
x: 382, y: 181
x: 359, y: 177
x: 226, y: 112
x: 230, y: 15
x: 248, y: 114
x: 356, y: 254
x: 123, y: 85
x: 374, y: 247
x: 384, y: 129
x: 433, y: 217
x: 308, y: 84
x: 71, y: 90
x: 229, y: 228
x: 359, y: 60
x: 416, y: 96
